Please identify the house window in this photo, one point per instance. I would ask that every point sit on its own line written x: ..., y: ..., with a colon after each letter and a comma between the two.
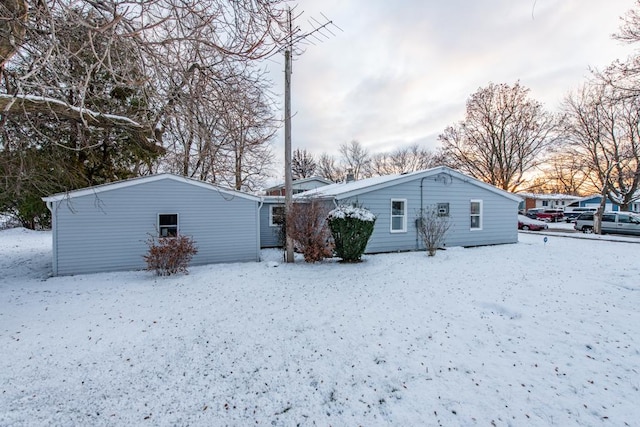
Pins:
x: 276, y: 216
x: 168, y: 225
x: 476, y: 214
x: 398, y: 215
x: 443, y: 209
x: 545, y: 203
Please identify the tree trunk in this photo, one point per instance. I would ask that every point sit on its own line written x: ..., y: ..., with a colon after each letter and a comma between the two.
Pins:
x: 597, y: 217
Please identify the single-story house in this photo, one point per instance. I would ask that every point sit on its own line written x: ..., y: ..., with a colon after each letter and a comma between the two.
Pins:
x: 594, y: 202
x: 298, y: 186
x: 106, y: 227
x: 547, y: 201
x: 478, y: 213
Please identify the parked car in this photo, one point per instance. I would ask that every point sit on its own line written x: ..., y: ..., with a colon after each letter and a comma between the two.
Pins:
x: 533, y: 213
x: 572, y: 215
x: 553, y: 215
x: 526, y: 223
x: 612, y: 222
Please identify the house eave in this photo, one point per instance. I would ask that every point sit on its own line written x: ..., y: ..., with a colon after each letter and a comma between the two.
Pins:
x: 146, y: 179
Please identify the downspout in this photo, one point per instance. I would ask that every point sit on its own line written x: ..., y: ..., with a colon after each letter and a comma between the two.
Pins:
x: 260, y: 204
x: 421, y: 210
x: 54, y: 239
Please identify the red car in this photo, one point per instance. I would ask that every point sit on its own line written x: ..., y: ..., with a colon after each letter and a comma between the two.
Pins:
x: 552, y: 215
x: 526, y: 223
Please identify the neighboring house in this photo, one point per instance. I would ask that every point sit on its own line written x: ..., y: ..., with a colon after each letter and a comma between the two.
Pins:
x: 594, y: 202
x: 546, y: 201
x: 479, y: 213
x: 105, y: 228
x: 298, y: 186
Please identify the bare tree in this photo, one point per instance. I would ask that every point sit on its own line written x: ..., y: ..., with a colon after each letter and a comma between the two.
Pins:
x: 303, y: 164
x: 355, y: 159
x: 502, y: 137
x: 603, y: 128
x: 250, y: 122
x: 158, y: 32
x: 31, y: 139
x: 564, y: 172
x: 13, y: 16
x: 329, y: 169
x: 402, y: 160
x: 624, y: 75
x: 115, y: 83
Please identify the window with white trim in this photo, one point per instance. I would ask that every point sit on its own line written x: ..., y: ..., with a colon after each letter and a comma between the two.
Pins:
x: 168, y: 225
x: 398, y: 215
x: 476, y: 214
x: 276, y: 215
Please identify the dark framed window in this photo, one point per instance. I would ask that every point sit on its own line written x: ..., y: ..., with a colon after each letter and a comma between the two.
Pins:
x: 276, y: 215
x: 168, y: 225
x: 476, y: 214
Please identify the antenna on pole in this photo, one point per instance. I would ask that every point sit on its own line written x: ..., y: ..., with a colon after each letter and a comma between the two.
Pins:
x: 319, y: 30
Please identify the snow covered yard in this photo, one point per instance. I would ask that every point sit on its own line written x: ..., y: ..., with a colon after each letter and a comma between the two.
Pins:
x: 524, y: 334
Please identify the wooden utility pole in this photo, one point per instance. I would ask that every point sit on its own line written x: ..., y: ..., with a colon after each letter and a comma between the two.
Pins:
x: 288, y: 57
x: 288, y: 179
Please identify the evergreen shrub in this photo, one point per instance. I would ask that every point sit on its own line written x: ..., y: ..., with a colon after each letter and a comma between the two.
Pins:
x: 351, y: 227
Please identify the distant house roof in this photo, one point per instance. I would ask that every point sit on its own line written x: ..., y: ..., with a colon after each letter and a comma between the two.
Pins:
x: 145, y: 179
x: 354, y: 188
x: 320, y: 180
x: 542, y: 196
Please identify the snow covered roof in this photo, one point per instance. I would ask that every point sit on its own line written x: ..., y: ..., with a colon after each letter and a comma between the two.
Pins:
x: 303, y: 181
x: 145, y: 179
x: 540, y: 196
x: 354, y: 188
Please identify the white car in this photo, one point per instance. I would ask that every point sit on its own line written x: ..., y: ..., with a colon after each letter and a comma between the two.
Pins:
x: 612, y: 222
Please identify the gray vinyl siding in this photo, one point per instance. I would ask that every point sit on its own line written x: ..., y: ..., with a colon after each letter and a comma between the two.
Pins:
x: 107, y: 231
x: 269, y: 236
x: 499, y: 216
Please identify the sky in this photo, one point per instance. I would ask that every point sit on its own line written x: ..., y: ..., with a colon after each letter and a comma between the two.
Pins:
x: 528, y: 334
x: 400, y: 72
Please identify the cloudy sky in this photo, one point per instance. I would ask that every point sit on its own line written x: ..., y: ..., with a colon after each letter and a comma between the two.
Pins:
x: 401, y: 71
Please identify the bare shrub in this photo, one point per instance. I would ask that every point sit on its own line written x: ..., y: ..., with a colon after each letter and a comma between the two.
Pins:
x: 307, y: 227
x: 432, y: 227
x: 170, y: 255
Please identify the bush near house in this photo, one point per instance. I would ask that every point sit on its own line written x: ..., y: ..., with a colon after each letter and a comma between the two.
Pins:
x: 306, y: 225
x: 351, y: 227
x: 170, y: 255
x: 432, y: 227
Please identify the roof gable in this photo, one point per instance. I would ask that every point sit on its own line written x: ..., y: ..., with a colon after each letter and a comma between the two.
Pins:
x: 355, y: 188
x: 143, y: 180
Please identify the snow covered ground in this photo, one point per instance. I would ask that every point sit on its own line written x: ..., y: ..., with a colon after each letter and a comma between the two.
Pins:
x: 532, y: 333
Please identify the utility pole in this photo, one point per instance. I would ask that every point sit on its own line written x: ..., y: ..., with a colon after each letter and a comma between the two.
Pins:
x: 288, y: 179
x: 288, y: 58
